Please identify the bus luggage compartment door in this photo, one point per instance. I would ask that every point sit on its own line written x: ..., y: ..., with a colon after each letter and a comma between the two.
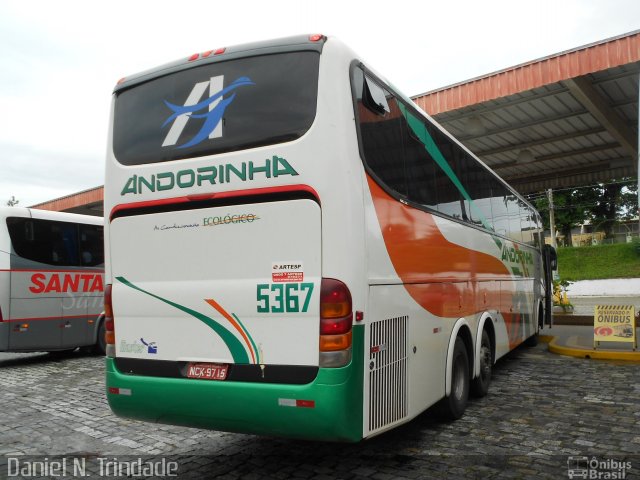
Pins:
x: 228, y: 284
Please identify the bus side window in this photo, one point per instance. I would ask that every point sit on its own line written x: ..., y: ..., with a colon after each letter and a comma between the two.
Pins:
x: 499, y: 212
x: 374, y: 97
x: 421, y: 170
x: 28, y: 231
x: 64, y: 242
x: 513, y: 210
x: 381, y: 136
x: 91, y: 245
x: 45, y: 241
x: 527, y: 221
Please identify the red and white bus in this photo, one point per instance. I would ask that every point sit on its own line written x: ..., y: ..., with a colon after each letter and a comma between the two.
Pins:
x: 51, y: 280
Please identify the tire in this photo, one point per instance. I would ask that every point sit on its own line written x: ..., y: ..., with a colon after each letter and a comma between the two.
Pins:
x: 480, y: 384
x: 453, y: 406
x: 532, y: 341
x: 101, y: 345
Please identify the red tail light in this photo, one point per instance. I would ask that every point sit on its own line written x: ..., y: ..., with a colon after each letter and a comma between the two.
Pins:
x: 316, y: 37
x: 108, y: 308
x: 335, y: 299
x: 336, y: 321
x: 336, y: 315
x: 330, y: 326
x: 109, y: 326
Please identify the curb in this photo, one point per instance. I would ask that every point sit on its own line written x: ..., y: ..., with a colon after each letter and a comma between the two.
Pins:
x: 591, y: 354
x: 572, y: 319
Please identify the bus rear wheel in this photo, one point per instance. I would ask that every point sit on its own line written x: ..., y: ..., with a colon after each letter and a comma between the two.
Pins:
x: 480, y: 384
x: 453, y: 405
x: 100, y: 346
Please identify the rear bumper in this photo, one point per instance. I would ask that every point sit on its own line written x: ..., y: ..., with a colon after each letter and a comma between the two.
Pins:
x: 247, y: 407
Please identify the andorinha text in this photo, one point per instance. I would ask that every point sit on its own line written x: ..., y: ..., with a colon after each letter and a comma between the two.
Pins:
x: 68, y: 282
x: 212, y: 175
x: 516, y: 256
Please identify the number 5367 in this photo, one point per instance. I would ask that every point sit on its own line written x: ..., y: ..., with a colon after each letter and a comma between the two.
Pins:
x: 284, y: 297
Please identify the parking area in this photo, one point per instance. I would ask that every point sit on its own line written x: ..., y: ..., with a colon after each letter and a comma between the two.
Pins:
x: 542, y: 412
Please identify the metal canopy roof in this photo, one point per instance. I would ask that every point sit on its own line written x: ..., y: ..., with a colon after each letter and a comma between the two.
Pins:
x: 87, y: 202
x: 570, y: 119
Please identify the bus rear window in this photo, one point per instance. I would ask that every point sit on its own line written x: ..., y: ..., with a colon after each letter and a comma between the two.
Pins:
x: 217, y: 107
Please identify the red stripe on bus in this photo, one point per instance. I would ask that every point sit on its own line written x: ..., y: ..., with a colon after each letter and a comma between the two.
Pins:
x: 214, y: 196
x: 46, y: 318
x: 46, y: 270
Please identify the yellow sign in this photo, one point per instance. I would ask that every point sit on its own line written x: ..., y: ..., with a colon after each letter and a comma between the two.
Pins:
x: 614, y: 323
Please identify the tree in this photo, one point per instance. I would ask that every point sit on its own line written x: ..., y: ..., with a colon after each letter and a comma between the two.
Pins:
x: 611, y: 203
x: 12, y: 202
x: 569, y: 211
x: 602, y: 205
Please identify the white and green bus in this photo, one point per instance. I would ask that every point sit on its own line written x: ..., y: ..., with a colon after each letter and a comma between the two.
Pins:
x: 51, y: 281
x: 294, y: 248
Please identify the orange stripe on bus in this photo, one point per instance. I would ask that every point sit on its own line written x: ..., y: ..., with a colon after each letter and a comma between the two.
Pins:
x: 448, y: 280
x: 235, y: 324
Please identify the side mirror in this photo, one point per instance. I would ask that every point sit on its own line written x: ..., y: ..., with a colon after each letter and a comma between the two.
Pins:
x: 550, y: 252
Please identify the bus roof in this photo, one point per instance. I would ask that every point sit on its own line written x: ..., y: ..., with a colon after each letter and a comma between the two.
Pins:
x: 281, y: 45
x: 49, y: 215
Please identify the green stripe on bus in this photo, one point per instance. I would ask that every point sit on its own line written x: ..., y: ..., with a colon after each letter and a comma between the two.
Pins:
x: 418, y: 128
x: 253, y: 344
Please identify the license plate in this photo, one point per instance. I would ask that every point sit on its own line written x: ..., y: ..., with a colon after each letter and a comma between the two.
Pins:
x: 207, y: 371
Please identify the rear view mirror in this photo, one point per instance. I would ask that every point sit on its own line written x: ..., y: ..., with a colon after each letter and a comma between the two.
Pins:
x: 551, y: 253
x: 554, y: 259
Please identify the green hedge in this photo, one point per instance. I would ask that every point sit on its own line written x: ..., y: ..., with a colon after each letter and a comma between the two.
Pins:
x: 620, y: 260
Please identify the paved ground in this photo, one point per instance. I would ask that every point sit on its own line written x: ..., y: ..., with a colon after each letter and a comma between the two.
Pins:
x: 542, y: 409
x: 581, y: 336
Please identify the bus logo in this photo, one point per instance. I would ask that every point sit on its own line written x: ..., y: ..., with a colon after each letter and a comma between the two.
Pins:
x: 151, y: 346
x: 210, y: 109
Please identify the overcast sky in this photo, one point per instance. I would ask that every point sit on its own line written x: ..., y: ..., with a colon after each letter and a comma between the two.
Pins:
x: 60, y: 59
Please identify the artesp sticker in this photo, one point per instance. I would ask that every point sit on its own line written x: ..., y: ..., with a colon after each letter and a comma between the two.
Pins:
x: 287, y: 272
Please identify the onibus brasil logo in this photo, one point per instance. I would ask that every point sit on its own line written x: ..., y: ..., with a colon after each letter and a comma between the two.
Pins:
x: 211, y: 110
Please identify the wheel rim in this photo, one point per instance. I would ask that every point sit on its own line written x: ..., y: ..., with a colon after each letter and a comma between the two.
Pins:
x: 485, y: 361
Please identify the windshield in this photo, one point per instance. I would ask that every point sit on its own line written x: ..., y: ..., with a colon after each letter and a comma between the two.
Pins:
x: 217, y: 107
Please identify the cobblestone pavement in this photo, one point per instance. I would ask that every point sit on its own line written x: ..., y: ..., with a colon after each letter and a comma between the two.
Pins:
x: 541, y: 410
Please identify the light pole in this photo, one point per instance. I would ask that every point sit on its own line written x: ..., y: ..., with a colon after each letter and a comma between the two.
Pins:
x: 552, y: 222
